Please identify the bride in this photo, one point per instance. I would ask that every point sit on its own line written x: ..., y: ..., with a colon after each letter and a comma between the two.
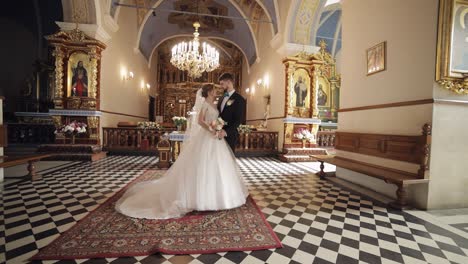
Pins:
x: 205, y: 176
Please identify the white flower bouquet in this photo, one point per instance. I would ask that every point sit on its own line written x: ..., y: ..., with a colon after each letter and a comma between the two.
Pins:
x: 179, y: 120
x: 305, y: 135
x: 218, y: 125
x: 72, y: 129
x: 149, y: 125
x: 245, y: 129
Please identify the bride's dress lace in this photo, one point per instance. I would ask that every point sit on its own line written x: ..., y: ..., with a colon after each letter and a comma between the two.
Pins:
x: 204, y: 177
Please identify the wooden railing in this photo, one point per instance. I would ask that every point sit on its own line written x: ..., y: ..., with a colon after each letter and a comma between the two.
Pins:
x: 326, y: 138
x: 257, y: 143
x: 131, y: 139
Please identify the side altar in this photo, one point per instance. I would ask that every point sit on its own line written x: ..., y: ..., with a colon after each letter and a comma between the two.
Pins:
x: 311, y: 97
x: 76, y: 95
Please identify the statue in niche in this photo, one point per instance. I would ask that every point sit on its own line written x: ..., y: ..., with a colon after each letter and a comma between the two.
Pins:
x: 79, y: 80
x: 300, y: 89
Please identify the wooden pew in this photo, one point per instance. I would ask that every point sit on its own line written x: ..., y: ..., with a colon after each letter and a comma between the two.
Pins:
x: 411, y: 149
x: 11, y: 161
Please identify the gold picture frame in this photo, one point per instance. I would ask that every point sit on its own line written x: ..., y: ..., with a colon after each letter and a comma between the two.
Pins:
x: 377, y: 58
x: 452, y: 40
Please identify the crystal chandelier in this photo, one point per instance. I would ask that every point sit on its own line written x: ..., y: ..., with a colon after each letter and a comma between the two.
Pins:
x: 187, y: 57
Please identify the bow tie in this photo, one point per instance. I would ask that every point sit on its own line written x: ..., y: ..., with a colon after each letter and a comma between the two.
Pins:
x: 226, y: 94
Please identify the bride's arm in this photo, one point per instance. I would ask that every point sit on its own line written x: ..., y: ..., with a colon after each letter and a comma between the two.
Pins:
x: 202, y: 123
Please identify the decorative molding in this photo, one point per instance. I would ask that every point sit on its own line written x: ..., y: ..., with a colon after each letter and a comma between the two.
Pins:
x: 91, y: 30
x: 389, y: 105
x: 291, y: 49
x: 298, y: 120
x: 263, y: 119
x: 276, y: 41
x: 32, y: 114
x: 66, y: 112
x: 450, y: 102
x: 111, y: 23
x: 122, y: 114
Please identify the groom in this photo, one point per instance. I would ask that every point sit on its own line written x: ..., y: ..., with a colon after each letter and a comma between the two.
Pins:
x: 231, y: 108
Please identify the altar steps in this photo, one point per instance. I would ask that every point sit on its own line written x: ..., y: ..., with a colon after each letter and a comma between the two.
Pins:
x: 300, y: 154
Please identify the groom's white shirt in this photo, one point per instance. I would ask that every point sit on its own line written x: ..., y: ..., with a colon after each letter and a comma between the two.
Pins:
x: 225, y: 99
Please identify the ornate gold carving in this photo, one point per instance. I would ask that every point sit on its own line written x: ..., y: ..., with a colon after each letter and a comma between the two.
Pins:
x: 59, y: 55
x: 458, y: 86
x: 73, y: 102
x: 288, y: 133
x: 93, y: 127
x: 94, y: 56
x: 57, y: 121
x: 448, y: 75
x: 88, y: 103
x: 93, y: 122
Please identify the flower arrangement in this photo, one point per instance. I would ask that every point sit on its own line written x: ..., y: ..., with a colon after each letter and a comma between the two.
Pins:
x: 179, y: 120
x: 304, y: 135
x: 72, y: 129
x: 218, y: 125
x: 149, y: 125
x: 245, y: 129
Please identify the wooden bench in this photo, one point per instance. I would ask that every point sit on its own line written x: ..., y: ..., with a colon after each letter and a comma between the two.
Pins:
x: 411, y: 149
x: 11, y: 161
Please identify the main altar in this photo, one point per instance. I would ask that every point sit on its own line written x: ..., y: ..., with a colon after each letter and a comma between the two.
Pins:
x: 311, y: 97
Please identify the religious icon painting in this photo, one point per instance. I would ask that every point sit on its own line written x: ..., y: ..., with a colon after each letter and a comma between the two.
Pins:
x: 78, y: 70
x: 376, y: 57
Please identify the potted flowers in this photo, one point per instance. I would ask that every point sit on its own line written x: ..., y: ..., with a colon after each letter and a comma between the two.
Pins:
x: 304, y: 135
x: 179, y: 121
x: 245, y: 129
x: 145, y: 125
x: 72, y: 130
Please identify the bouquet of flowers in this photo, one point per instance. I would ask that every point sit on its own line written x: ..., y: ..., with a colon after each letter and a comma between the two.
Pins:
x: 218, y: 125
x: 149, y: 125
x: 72, y: 129
x: 245, y: 129
x: 304, y: 134
x: 179, y: 120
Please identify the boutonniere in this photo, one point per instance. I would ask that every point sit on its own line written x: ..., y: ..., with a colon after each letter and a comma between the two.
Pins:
x: 230, y: 102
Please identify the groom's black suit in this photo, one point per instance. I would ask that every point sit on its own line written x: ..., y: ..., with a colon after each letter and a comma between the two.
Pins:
x: 233, y: 114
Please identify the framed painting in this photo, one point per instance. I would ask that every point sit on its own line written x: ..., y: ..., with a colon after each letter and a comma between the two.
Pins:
x: 78, y: 69
x: 376, y: 58
x: 300, y: 92
x: 452, y: 46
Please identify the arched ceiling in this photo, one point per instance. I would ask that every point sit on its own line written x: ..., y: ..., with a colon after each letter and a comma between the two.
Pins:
x: 316, y: 20
x: 155, y: 29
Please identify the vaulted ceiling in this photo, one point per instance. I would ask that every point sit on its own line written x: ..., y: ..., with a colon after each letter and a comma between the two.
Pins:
x: 155, y: 29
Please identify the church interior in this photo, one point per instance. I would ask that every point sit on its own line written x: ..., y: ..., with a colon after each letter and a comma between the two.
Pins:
x: 353, y: 140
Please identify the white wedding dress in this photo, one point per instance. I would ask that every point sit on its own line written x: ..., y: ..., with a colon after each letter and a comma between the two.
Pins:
x: 205, y: 177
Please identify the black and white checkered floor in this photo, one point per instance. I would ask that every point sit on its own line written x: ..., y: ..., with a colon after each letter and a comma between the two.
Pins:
x: 317, y: 221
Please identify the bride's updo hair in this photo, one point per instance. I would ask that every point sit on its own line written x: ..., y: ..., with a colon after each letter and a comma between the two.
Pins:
x: 206, y: 89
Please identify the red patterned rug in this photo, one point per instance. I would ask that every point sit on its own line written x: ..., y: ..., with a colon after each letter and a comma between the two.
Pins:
x: 104, y: 233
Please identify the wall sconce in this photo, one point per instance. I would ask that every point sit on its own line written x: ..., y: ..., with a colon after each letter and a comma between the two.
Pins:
x: 148, y: 86
x: 247, y: 90
x: 126, y: 75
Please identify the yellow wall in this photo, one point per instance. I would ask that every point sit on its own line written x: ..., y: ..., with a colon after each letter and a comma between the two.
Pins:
x: 410, y: 30
x: 125, y: 97
x: 268, y: 67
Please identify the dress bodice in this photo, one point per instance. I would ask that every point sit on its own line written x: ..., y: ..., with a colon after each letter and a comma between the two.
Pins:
x: 211, y: 112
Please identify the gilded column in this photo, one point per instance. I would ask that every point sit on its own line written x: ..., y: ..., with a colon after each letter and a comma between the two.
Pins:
x: 58, y: 94
x: 94, y: 57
